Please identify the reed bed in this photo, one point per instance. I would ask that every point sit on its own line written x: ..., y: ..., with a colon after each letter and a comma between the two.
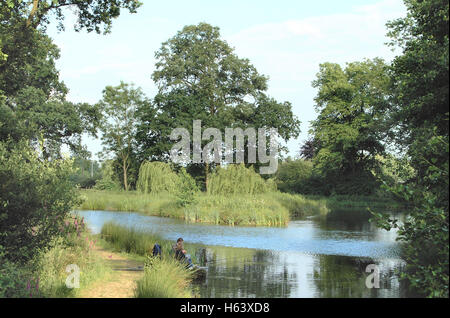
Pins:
x: 268, y: 209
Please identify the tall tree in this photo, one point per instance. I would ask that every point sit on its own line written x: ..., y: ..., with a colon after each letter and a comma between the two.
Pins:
x: 350, y: 103
x: 199, y: 77
x: 34, y: 104
x: 420, y: 124
x: 119, y: 105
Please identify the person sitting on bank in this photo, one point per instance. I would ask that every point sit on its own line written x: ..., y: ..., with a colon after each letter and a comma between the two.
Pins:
x: 180, y: 252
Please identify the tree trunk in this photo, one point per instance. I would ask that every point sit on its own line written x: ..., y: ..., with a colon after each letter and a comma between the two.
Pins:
x: 125, y: 179
x: 206, y: 176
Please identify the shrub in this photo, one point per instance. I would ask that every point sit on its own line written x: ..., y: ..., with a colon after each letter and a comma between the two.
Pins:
x: 35, y: 197
x: 187, y: 190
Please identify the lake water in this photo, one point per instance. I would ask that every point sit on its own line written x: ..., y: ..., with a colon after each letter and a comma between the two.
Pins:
x: 312, y: 257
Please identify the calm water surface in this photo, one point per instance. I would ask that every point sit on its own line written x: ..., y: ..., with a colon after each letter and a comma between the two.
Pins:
x: 313, y: 257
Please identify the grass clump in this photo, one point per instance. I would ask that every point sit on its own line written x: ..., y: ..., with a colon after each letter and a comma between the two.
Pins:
x: 165, y: 278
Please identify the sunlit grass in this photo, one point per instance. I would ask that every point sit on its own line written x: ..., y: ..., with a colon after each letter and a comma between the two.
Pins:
x: 52, y: 264
x: 268, y: 209
x: 166, y: 277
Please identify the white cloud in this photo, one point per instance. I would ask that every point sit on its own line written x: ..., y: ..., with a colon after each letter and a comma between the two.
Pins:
x: 290, y: 51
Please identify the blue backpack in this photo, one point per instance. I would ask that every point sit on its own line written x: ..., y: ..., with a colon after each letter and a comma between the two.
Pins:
x: 157, y: 250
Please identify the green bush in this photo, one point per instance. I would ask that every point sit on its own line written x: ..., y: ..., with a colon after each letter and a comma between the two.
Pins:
x: 35, y: 198
x: 187, y: 190
x: 108, y: 181
x: 13, y: 278
x: 299, y: 176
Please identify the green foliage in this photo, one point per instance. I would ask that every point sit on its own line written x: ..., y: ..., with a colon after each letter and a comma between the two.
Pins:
x: 96, y: 15
x: 35, y: 197
x: 394, y: 170
x: 119, y: 105
x: 87, y: 173
x: 35, y: 106
x: 187, y: 190
x: 199, y: 77
x: 237, y: 179
x: 108, y: 180
x: 157, y: 177
x: 347, y: 130
x: 13, y: 278
x: 419, y: 123
x: 297, y: 176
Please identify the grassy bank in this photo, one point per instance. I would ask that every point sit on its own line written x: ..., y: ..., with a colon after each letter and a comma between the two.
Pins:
x: 163, y: 278
x: 45, y: 276
x: 360, y: 203
x: 269, y: 209
x: 53, y: 264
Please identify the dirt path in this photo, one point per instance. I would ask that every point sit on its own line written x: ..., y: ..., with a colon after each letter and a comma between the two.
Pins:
x: 121, y: 284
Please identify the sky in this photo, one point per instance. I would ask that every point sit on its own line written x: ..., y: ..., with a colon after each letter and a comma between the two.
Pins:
x: 284, y: 40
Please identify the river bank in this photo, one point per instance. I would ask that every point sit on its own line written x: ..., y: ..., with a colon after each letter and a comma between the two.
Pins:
x: 269, y: 209
x: 311, y: 257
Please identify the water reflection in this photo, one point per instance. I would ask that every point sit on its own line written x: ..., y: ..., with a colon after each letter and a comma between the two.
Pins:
x: 262, y: 273
x: 314, y: 257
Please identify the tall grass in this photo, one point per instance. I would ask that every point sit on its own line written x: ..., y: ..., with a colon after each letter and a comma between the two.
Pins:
x: 360, y: 203
x: 246, y: 210
x: 135, y: 241
x: 51, y: 267
x: 129, y: 240
x: 269, y: 209
x: 165, y: 277
x: 298, y: 205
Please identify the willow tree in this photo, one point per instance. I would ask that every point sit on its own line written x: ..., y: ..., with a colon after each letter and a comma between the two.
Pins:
x: 157, y: 177
x: 237, y: 179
